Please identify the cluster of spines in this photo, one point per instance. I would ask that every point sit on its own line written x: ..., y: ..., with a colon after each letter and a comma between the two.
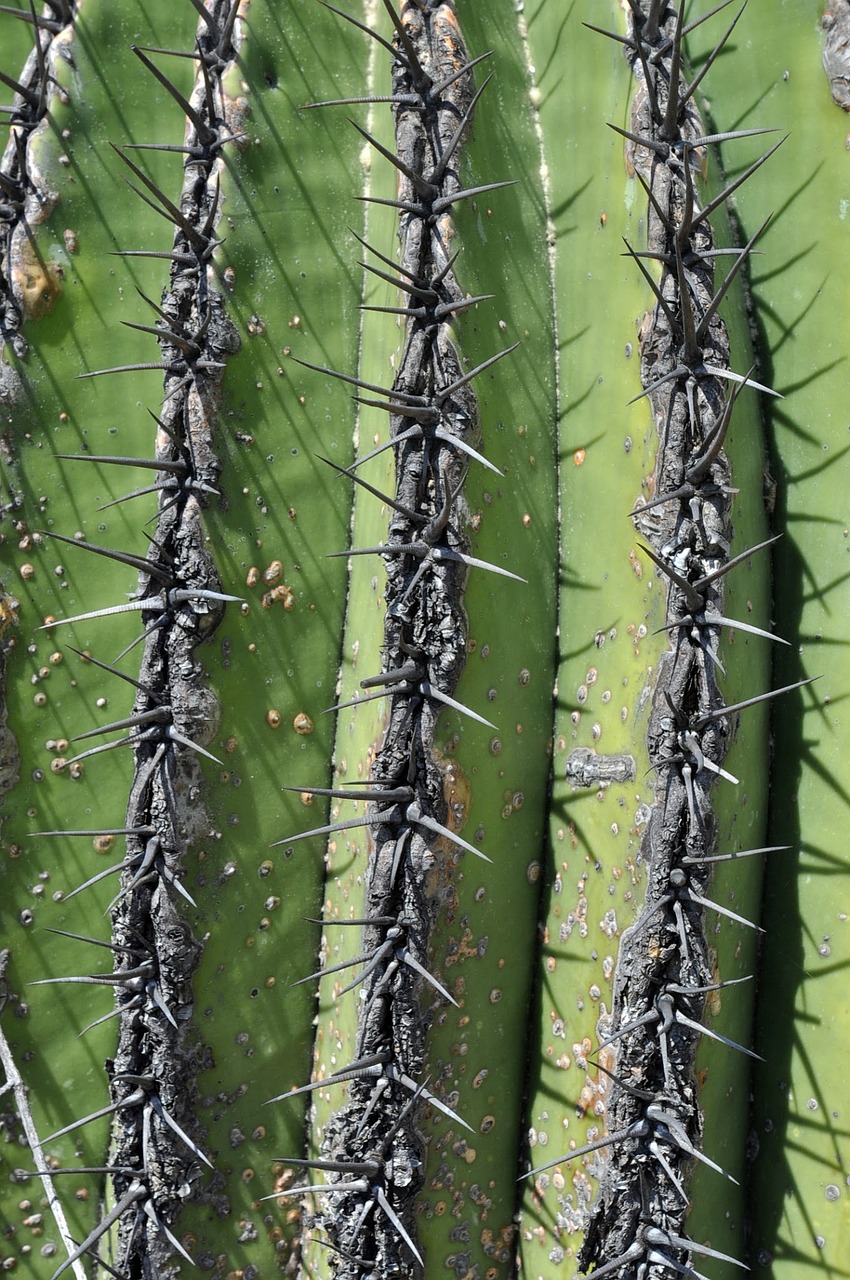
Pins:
x: 664, y: 971
x: 23, y: 202
x: 372, y: 1153
x: 154, y: 1156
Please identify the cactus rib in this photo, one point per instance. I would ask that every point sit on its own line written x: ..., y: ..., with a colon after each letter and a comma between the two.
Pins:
x: 664, y: 969
x: 174, y: 714
x: 426, y: 558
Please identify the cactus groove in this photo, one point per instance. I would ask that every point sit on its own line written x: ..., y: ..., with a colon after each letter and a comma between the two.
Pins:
x: 441, y: 639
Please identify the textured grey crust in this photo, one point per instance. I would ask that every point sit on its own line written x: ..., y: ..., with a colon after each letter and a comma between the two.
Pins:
x: 585, y: 768
x: 836, y: 51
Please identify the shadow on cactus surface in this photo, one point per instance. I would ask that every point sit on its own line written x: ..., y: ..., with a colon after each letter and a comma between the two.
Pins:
x: 423, y: 518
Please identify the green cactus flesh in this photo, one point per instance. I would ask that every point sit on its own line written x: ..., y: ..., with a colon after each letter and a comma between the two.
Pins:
x: 519, y: 1064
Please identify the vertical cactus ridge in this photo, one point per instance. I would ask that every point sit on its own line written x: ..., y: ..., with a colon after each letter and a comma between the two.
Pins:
x: 610, y: 607
x: 497, y: 776
x: 801, y: 310
x: 176, y: 713
x: 51, y: 691
x: 371, y: 1149
x: 665, y: 970
x: 274, y: 661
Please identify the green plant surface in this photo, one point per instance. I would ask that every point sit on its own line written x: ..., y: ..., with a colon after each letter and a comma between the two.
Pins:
x: 556, y: 1205
x: 798, y: 1192
x: 527, y: 945
x: 476, y: 763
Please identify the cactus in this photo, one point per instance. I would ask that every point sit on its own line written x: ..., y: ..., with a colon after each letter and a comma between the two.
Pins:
x: 515, y: 934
